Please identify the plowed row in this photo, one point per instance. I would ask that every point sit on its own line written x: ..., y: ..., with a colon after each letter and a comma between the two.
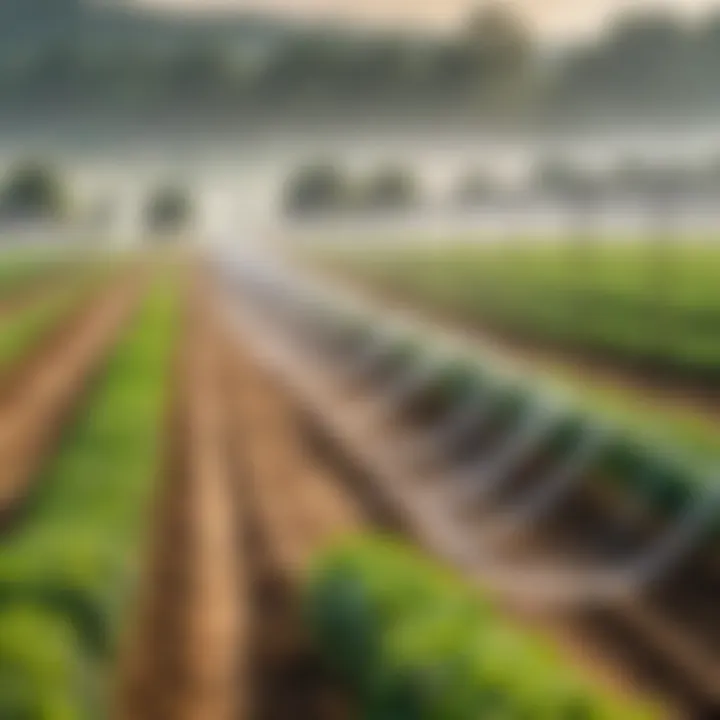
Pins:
x: 241, y: 509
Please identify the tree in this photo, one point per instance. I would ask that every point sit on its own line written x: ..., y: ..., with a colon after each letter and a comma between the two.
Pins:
x: 169, y: 209
x: 33, y: 191
x: 318, y: 188
x: 499, y: 39
x: 648, y: 61
x: 500, y: 49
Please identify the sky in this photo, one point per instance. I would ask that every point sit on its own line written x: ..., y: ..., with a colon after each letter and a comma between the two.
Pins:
x: 563, y: 19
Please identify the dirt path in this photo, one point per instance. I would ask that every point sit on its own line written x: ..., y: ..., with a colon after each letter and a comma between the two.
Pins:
x: 295, y: 508
x: 40, y: 394
x: 299, y: 503
x: 184, y: 658
x: 241, y: 509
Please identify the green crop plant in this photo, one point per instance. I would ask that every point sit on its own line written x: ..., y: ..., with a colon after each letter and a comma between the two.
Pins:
x: 42, y: 668
x: 22, y: 330
x: 413, y: 642
x: 530, y: 289
x: 526, y: 290
x: 72, y: 563
x: 666, y: 481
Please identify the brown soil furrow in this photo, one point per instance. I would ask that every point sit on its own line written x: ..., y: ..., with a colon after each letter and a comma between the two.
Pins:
x: 184, y: 656
x: 301, y: 503
x: 150, y: 663
x: 215, y: 600
x: 50, y: 386
x: 296, y: 507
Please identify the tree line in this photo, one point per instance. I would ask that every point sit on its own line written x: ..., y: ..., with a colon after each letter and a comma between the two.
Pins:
x: 300, y: 67
x: 32, y: 191
x: 325, y: 187
x: 645, y: 64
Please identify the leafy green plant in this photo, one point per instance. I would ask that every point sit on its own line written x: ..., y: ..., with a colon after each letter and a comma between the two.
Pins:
x: 481, y: 284
x: 667, y: 481
x: 22, y: 330
x: 72, y: 563
x: 42, y: 669
x: 414, y: 643
x: 531, y: 289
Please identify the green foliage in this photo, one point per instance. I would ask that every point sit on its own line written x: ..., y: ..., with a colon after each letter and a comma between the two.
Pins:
x: 23, y: 330
x: 324, y: 189
x: 42, y: 669
x: 169, y: 210
x: 414, y: 643
x: 74, y: 558
x: 23, y: 267
x: 649, y: 64
x: 317, y: 188
x: 33, y: 191
x: 536, y: 289
x: 647, y: 467
x: 115, y: 56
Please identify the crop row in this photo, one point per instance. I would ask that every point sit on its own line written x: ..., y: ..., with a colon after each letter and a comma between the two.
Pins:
x: 22, y: 267
x: 25, y: 328
x: 66, y: 572
x: 658, y: 308
x: 413, y: 642
x: 664, y: 481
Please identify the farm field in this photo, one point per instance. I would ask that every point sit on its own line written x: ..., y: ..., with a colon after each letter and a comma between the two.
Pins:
x: 550, y: 531
x: 596, y: 323
x: 653, y: 304
x: 193, y: 525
